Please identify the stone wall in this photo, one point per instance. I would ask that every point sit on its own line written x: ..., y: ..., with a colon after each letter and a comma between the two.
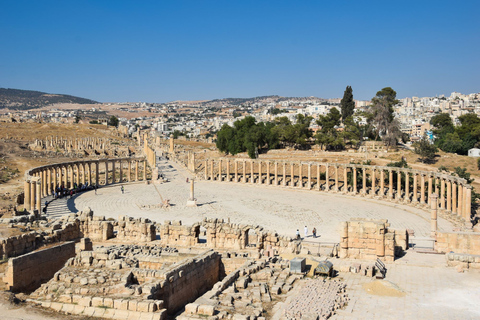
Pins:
x: 186, y: 281
x: 27, y: 272
x: 458, y: 242
x: 371, y: 239
x: 131, y: 229
x: 463, y: 261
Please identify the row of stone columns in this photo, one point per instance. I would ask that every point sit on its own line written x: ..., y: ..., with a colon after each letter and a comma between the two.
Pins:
x: 43, y: 181
x: 411, y: 187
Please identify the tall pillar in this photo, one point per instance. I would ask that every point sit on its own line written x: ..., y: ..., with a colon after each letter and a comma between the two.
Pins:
x: 236, y: 171
x: 354, y: 180
x: 364, y: 180
x: 120, y: 169
x: 26, y: 198
x: 407, y: 190
x: 206, y: 169
x: 38, y: 196
x: 468, y: 204
x: 97, y: 173
x: 55, y: 182
x: 145, y: 170
x: 220, y: 170
x: 374, y: 178
x: 318, y: 177
x: 252, y: 177
x: 430, y: 189
x: 82, y: 177
x: 327, y: 179
x: 309, y: 178
x: 136, y: 170
x: 345, y: 180
x: 228, y: 170
x: 244, y: 171
x: 399, y: 184
x: 414, y: 187
x: 300, y: 175
x: 129, y: 170
x: 422, y: 189
x: 276, y: 173
x: 106, y: 173
x: 433, y: 219
x: 33, y: 190
x: 442, y: 193
x: 114, y: 171
x: 284, y: 181
x: 268, y: 172
x: 449, y: 195
x: 454, y: 198
x: 71, y: 176
x: 336, y: 178
x: 460, y: 201
x: 382, y: 183
x: 292, y: 175
x: 465, y: 204
x: 211, y: 170
x: 390, y: 184
x: 49, y: 181
x: 44, y: 182
x: 77, y: 177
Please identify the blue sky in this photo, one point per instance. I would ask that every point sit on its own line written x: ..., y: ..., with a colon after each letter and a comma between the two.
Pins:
x: 159, y: 51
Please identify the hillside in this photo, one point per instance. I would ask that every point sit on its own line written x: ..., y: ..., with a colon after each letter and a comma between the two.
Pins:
x: 261, y: 99
x: 26, y: 99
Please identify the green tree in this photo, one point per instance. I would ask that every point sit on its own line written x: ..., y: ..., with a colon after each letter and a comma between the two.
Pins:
x: 387, y: 127
x: 77, y: 118
x: 328, y: 136
x: 113, y: 121
x: 425, y: 150
x: 347, y: 105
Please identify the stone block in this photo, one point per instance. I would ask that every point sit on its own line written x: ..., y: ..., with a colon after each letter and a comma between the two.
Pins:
x: 297, y: 265
x: 191, y: 308
x: 85, y: 302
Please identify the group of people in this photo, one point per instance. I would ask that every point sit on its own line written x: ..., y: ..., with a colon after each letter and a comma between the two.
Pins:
x: 314, y: 232
x: 61, y: 191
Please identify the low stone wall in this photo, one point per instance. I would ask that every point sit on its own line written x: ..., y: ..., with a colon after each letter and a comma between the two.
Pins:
x: 131, y: 229
x: 27, y: 272
x: 17, y: 245
x: 186, y: 281
x: 458, y: 242
x: 463, y: 261
x: 173, y: 233
x: 371, y: 239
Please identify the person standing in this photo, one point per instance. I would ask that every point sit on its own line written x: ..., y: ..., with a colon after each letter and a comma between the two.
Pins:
x: 306, y: 231
x: 123, y: 189
x: 297, y: 234
x: 314, y: 232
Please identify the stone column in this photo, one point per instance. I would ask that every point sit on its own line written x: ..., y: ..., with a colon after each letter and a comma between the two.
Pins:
x: 430, y: 189
x: 374, y: 178
x: 172, y: 147
x: 354, y: 182
x: 129, y: 170
x: 206, y: 169
x: 292, y: 175
x: 399, y: 184
x: 55, y: 182
x: 276, y: 173
x: 49, y: 181
x: 433, y: 219
x: 449, y: 196
x: 82, y: 178
x: 382, y: 183
x: 309, y: 178
x: 44, y: 182
x: 442, y: 193
x: 468, y: 204
x: 460, y: 201
x: 220, y: 170
x: 390, y: 184
x: 114, y: 172
x: 106, y: 173
x: 33, y: 190
x: 345, y: 180
x: 268, y: 173
x: 76, y: 173
x: 407, y: 188
x: 454, y: 198
x: 318, y: 177
x: 228, y: 170
x: 136, y: 170
x: 26, y: 198
x: 327, y: 179
x: 336, y: 178
x: 422, y: 189
x: 414, y: 187
x: 465, y: 204
x: 284, y: 182
x: 236, y: 171
x: 38, y: 196
x: 300, y: 175
x: 380, y: 242
x: 211, y: 170
x: 97, y: 173
x: 145, y: 170
x: 71, y: 176
x: 244, y: 171
x: 364, y: 182
x: 252, y: 177
x: 120, y: 165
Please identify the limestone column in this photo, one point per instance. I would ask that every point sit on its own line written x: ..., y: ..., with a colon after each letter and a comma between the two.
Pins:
x: 55, y: 182
x: 309, y: 178
x: 318, y: 177
x: 327, y: 179
x: 414, y: 187
x: 292, y: 175
x: 145, y: 170
x: 228, y: 170
x: 71, y: 176
x: 97, y: 173
x: 252, y: 177
x: 120, y: 169
x: 382, y: 183
x: 206, y: 169
x: 442, y: 194
x: 380, y: 242
x: 460, y: 201
x: 422, y: 189
x: 76, y: 172
x: 26, y: 198
x: 454, y: 198
x: 129, y: 170
x: 364, y: 182
x: 336, y: 178
x: 468, y: 204
x: 244, y: 171
x: 345, y: 180
x: 220, y: 170
x: 433, y: 219
x: 276, y: 173
x: 236, y: 171
x: 268, y: 172
x: 354, y: 182
x: 106, y: 172
x: 449, y: 196
x: 430, y: 189
x: 82, y: 177
x: 465, y: 204
x: 49, y: 181
x: 399, y: 184
x: 300, y: 175
x: 211, y: 170
x: 38, y: 196
x: 407, y: 190
x: 32, y: 194
x: 374, y: 178
x: 390, y: 184
x: 284, y: 181
x: 114, y: 171
x: 44, y: 182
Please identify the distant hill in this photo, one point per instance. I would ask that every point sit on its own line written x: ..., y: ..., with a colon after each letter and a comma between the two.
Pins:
x: 26, y: 99
x: 262, y: 99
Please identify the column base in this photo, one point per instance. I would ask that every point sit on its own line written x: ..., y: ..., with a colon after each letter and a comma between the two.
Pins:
x: 192, y: 203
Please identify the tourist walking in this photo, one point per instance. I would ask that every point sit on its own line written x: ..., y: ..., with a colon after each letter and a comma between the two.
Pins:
x: 314, y: 232
x: 298, y: 234
x: 306, y: 231
x: 123, y: 189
